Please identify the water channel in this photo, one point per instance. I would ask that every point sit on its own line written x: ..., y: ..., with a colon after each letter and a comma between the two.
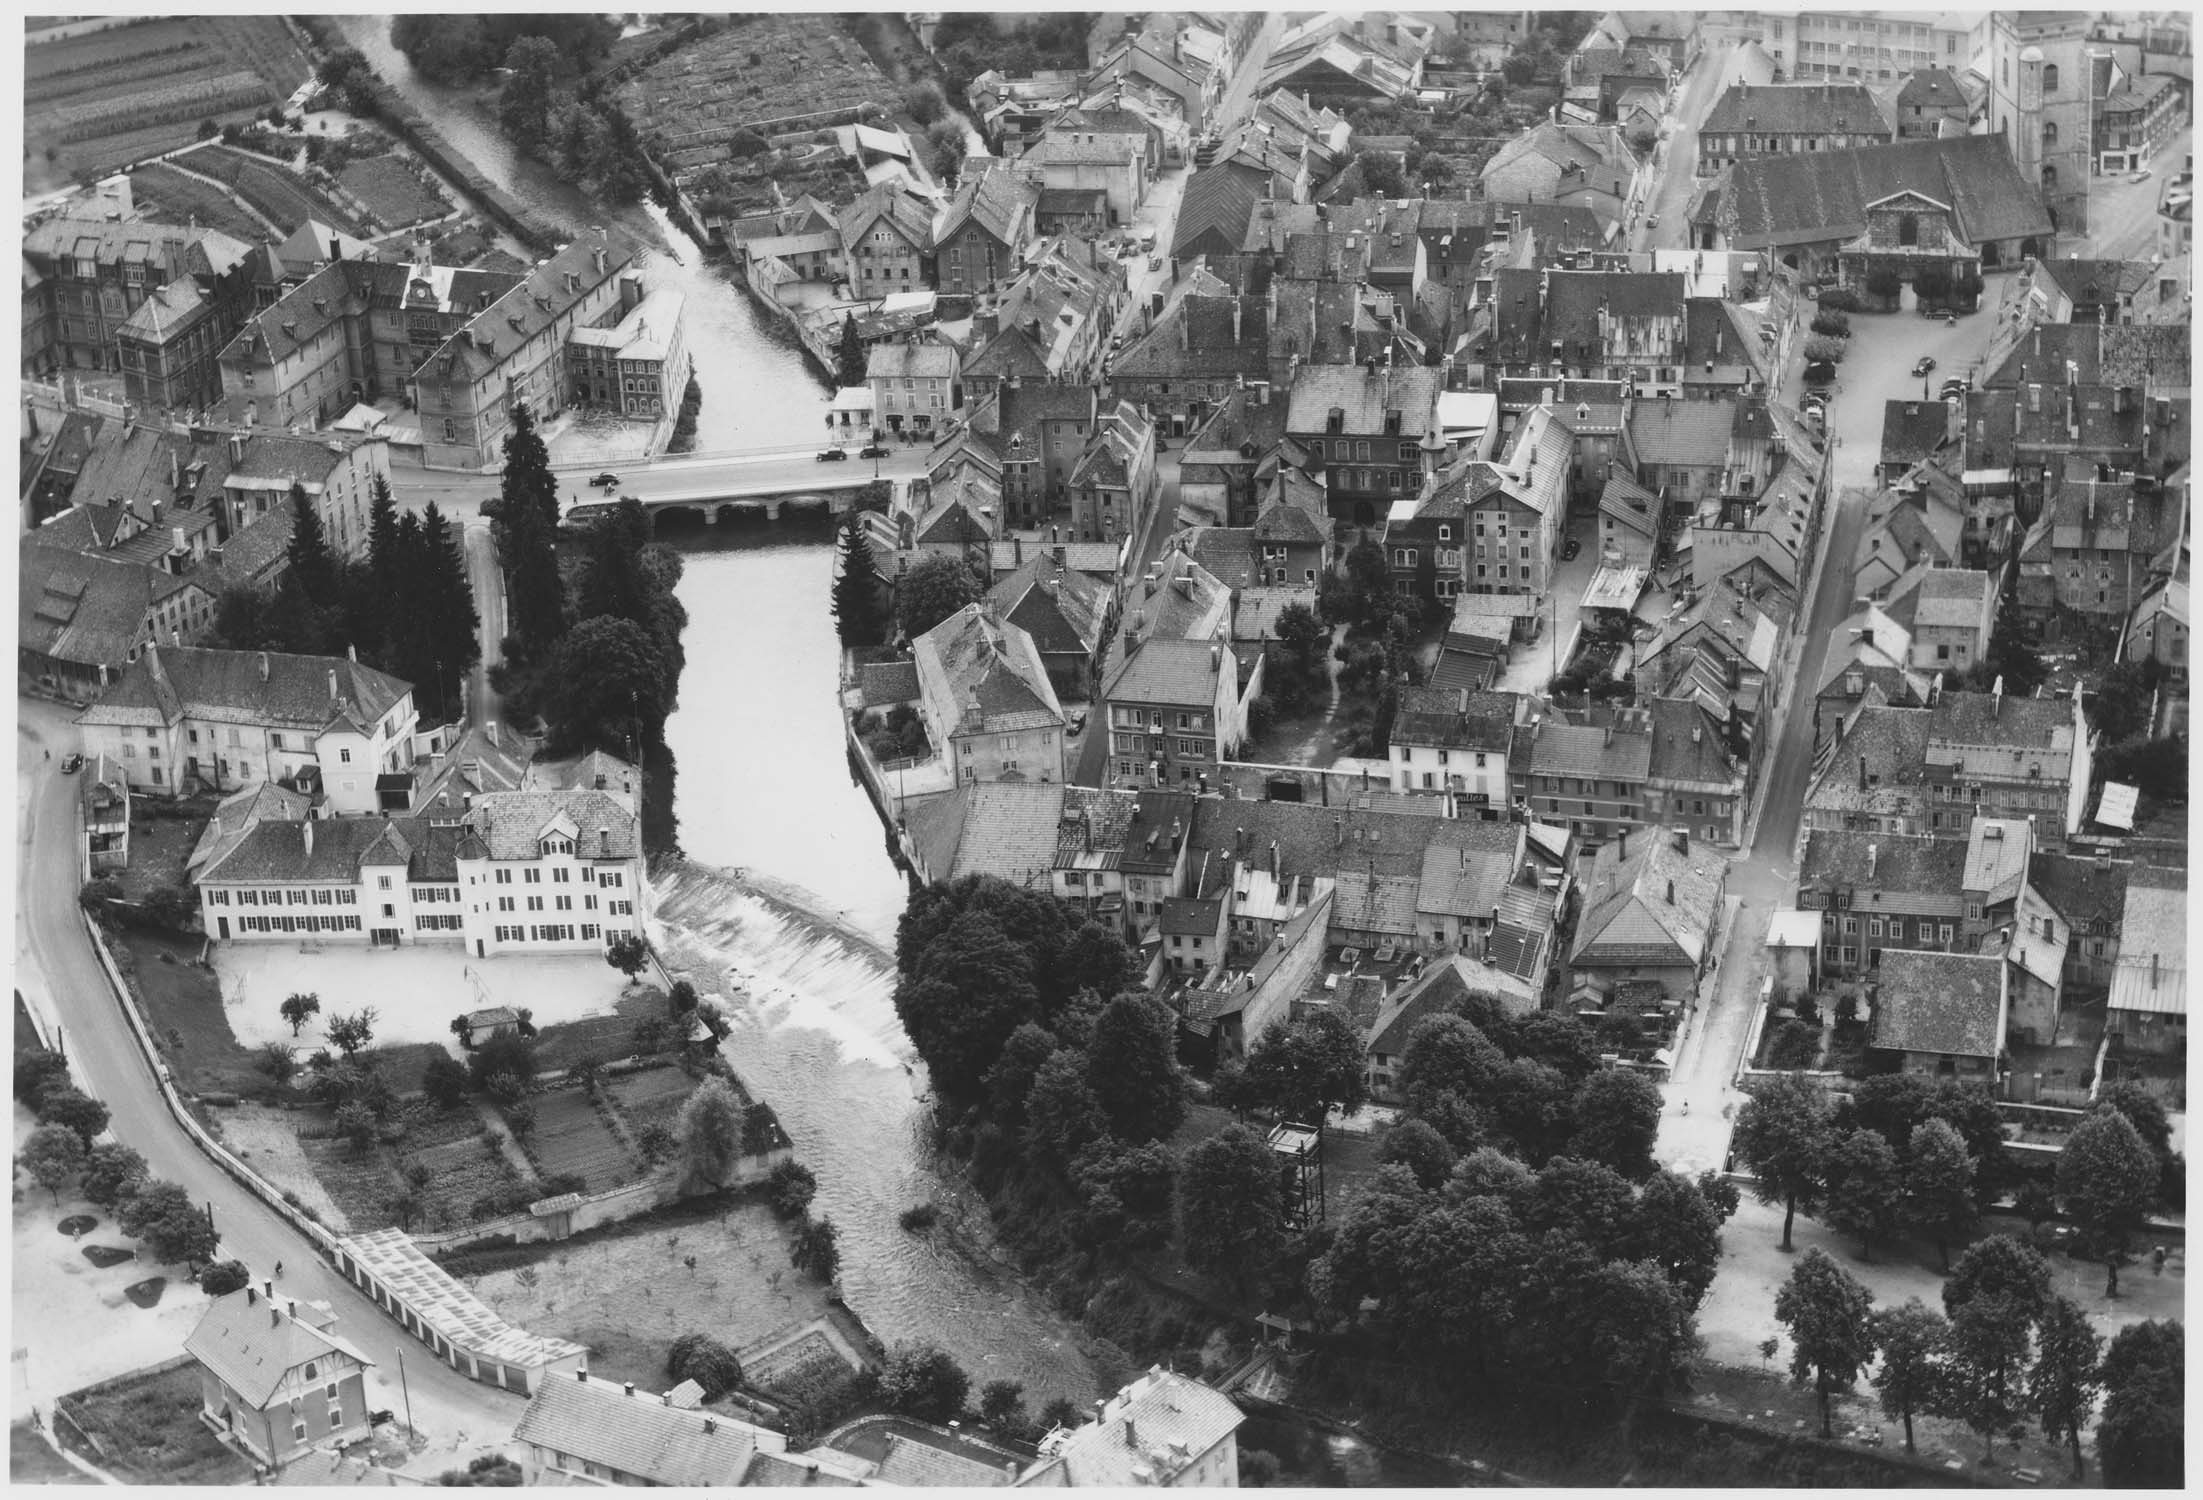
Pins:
x: 789, y: 904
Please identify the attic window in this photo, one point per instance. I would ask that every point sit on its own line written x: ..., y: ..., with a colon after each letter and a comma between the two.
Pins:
x: 1392, y: 423
x: 1335, y: 421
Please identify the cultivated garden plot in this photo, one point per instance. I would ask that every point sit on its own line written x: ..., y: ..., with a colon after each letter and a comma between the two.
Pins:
x: 392, y: 193
x: 574, y: 1135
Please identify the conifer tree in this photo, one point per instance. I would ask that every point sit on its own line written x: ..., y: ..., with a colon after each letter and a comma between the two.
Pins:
x: 307, y: 597
x: 856, y: 601
x: 446, y: 599
x: 536, y: 593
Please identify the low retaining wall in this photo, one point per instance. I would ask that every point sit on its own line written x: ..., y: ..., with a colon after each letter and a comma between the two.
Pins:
x: 251, y: 1181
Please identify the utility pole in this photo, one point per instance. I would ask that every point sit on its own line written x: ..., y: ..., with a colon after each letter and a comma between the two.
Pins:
x: 407, y: 1391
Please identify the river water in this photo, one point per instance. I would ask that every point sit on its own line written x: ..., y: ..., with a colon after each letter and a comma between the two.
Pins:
x: 788, y: 906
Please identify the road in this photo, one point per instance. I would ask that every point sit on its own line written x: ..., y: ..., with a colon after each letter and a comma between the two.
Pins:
x: 488, y: 582
x: 690, y: 478
x: 60, y: 976
x: 2122, y: 214
x: 1671, y: 199
x: 1694, y: 1129
x: 1239, y: 95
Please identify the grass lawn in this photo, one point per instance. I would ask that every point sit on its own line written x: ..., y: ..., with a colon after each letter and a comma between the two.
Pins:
x: 30, y: 1461
x: 147, y: 1431
x: 595, y: 1039
x: 183, y: 1009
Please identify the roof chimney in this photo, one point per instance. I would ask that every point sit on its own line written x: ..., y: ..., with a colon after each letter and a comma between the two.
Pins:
x: 630, y: 1388
x: 306, y: 830
x: 263, y: 666
x: 333, y: 695
x: 1871, y: 851
x: 1671, y: 893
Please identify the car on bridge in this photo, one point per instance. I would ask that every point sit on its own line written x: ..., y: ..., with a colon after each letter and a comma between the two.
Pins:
x: 1924, y: 365
x: 874, y: 450
x: 832, y: 454
x: 604, y: 481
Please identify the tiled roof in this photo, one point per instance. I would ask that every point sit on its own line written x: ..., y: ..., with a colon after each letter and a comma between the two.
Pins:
x: 1187, y: 916
x: 1009, y: 830
x: 1968, y: 719
x: 273, y: 689
x: 250, y: 1344
x: 235, y: 815
x: 325, y: 851
x: 1227, y: 552
x: 2082, y: 891
x: 914, y: 361
x: 885, y: 682
x: 913, y: 1463
x: 1574, y: 301
x: 1912, y: 429
x: 1289, y: 524
x: 1063, y: 610
x: 2152, y: 972
x: 1147, y: 1433
x: 998, y: 201
x: 1195, y: 340
x: 1953, y: 597
x: 1649, y: 903
x: 1093, y: 827
x: 1364, y: 397
x: 1186, y: 599
x: 1687, y: 748
x: 1816, y: 196
x: 523, y: 314
x: 1557, y: 748
x: 251, y: 553
x: 1939, y: 1003
x: 1791, y: 108
x: 1215, y: 209
x: 904, y: 211
x: 1467, y: 868
x: 82, y: 608
x: 1685, y: 434
x: 133, y: 241
x: 1311, y: 840
x: 1174, y: 672
x: 1442, y: 990
x: 1362, y: 902
x: 1630, y: 504
x: 593, y: 1422
x: 988, y: 673
x: 1010, y: 352
x: 1456, y: 721
x: 1906, y: 864
x: 1876, y: 763
x: 1932, y: 88
x: 510, y: 823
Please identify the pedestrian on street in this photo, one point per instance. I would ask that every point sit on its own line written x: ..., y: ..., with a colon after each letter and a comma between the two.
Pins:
x: 279, y: 1268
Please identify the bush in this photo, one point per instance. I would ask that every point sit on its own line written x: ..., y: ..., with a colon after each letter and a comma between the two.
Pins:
x: 511, y: 1054
x: 920, y: 1216
x: 817, y: 1250
x: 790, y: 1188
x: 36, y: 1071
x: 1828, y: 350
x: 277, y: 1061
x: 657, y: 1142
x: 920, y: 1380
x: 703, y: 1359
x: 1832, y: 323
x: 224, y: 1277
x: 1794, y: 1045
x: 446, y: 1082
x: 1839, y: 299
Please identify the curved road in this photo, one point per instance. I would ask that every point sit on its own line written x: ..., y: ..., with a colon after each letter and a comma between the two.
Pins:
x: 61, y: 978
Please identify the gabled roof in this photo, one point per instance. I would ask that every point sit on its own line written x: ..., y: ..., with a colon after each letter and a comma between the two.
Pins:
x: 1064, y: 611
x: 1289, y: 525
x: 1216, y: 207
x: 1821, y: 106
x: 1364, y: 397
x: 1456, y: 720
x: 1174, y: 672
x: 250, y: 1343
x: 1946, y: 1004
x: 892, y: 204
x: 1557, y: 748
x: 1440, y: 990
x: 235, y: 816
x: 1000, y: 202
x: 1202, y: 338
x: 1468, y: 866
x: 985, y: 675
x: 510, y: 824
x: 595, y: 1422
x: 2151, y: 975
x: 81, y: 608
x: 1384, y: 904
x: 272, y: 689
x: 1997, y: 851
x: 1815, y: 196
x: 898, y: 361
x: 1682, y: 434
x: 543, y: 297
x: 1650, y: 902
x: 1145, y: 1434
x: 1903, y: 863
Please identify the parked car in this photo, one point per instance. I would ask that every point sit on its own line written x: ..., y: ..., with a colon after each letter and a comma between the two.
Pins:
x: 2140, y: 175
x: 1820, y: 372
x: 1569, y: 549
x: 873, y: 450
x: 1078, y: 721
x: 1925, y: 364
x: 604, y: 481
x: 71, y: 764
x: 832, y: 454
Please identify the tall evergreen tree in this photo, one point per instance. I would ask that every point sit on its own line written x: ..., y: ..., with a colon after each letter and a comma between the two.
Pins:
x: 528, y: 483
x: 856, y: 602
x: 446, y: 599
x: 536, y: 591
x: 849, y: 357
x: 613, y: 581
x: 308, y: 597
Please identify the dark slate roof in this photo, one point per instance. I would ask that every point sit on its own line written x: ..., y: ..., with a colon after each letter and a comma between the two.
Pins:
x: 1180, y: 673
x: 1289, y: 524
x: 2116, y: 354
x: 1687, y: 746
x: 1185, y: 916
x: 1943, y: 1003
x: 1215, y: 208
x: 2082, y: 891
x: 1063, y: 610
x: 1649, y: 903
x: 1912, y: 429
x: 1902, y: 863
x: 1456, y: 721
x: 1311, y: 839
x: 1814, y: 196
x: 274, y: 689
x: 1983, y: 719
x: 1148, y: 846
x: 1574, y: 299
x: 1794, y: 108
x: 1198, y: 338
x: 1932, y: 88
x: 885, y: 682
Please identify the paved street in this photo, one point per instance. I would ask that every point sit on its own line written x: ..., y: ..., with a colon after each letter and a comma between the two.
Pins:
x: 60, y: 977
x: 692, y: 477
x: 1694, y: 1132
x: 1671, y: 197
x: 2122, y: 214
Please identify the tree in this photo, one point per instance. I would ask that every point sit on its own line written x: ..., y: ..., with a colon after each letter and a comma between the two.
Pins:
x: 849, y: 356
x: 931, y: 589
x: 2141, y: 1442
x: 350, y: 1033
x: 176, y: 1230
x: 1987, y: 1358
x: 2107, y: 1181
x: 923, y: 102
x: 443, y: 639
x: 1999, y: 1268
x: 607, y: 688
x: 975, y: 986
x: 2119, y: 703
x: 356, y: 1123
x: 1095, y: 958
x: 2010, y: 657
x: 75, y: 1109
x: 1617, y: 1118
x: 817, y: 1250
x: 1230, y: 1207
x: 856, y: 597
x: 1064, y: 1115
x: 1675, y: 1227
x: 54, y: 1155
x: 510, y: 1055
x: 1831, y: 1332
x: 532, y: 68
x: 1939, y: 1186
x: 303, y: 614
x: 534, y: 590
x: 1420, y: 1149
x: 2062, y: 1385
x: 1010, y: 1080
x: 920, y: 1380
x: 1130, y: 1194
x: 703, y: 1359
x: 224, y: 1277
x: 298, y: 1009
x: 1002, y: 1407
x: 1782, y: 1135
x: 1865, y: 1194
x: 1446, y: 1055
x: 789, y: 1188
x: 628, y: 954
x: 1301, y: 1070
x: 1909, y: 1379
x: 445, y: 1082
x: 761, y: 1130
x: 277, y: 1060
x: 37, y: 1070
x: 710, y: 1133
x: 1382, y: 174
x: 112, y: 1172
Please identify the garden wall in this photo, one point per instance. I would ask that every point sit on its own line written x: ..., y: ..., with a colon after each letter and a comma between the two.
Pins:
x: 593, y: 1210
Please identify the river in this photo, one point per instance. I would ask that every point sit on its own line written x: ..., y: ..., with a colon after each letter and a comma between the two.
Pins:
x: 787, y: 910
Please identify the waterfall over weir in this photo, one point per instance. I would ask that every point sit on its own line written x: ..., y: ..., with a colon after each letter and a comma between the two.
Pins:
x: 816, y: 1035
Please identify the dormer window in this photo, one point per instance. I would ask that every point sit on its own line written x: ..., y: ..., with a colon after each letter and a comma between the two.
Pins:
x: 1392, y: 424
x: 555, y: 844
x: 1336, y: 420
